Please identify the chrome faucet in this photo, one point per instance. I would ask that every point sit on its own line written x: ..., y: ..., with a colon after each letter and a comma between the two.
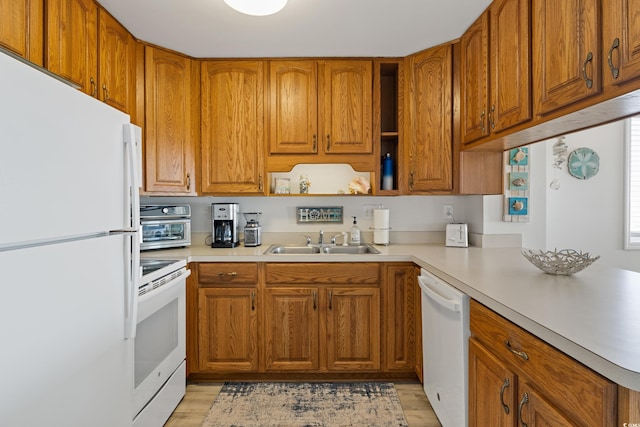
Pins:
x: 321, y: 238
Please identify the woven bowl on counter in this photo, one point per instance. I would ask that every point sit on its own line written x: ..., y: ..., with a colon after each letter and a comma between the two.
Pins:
x: 564, y: 262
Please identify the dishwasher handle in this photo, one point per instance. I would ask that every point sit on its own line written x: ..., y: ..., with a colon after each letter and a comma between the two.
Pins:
x: 451, y: 305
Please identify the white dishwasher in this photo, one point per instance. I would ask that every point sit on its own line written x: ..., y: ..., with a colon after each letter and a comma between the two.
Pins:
x: 445, y: 334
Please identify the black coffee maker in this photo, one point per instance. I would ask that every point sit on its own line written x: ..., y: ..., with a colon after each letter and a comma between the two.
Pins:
x: 225, y: 225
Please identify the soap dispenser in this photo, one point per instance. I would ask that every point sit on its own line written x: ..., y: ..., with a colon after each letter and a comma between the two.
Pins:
x: 355, y: 232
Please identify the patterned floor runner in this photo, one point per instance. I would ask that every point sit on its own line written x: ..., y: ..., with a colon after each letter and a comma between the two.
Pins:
x: 306, y: 405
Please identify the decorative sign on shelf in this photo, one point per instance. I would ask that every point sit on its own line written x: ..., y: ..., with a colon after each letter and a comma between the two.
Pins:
x: 516, y: 186
x: 319, y: 214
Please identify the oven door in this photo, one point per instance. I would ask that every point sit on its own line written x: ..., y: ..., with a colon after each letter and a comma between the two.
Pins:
x: 160, y: 342
x: 165, y: 233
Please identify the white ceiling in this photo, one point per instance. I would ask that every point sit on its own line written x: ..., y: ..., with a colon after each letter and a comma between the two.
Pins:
x: 313, y: 28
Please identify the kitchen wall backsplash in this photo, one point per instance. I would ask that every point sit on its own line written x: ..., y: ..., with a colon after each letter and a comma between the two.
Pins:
x: 411, y: 217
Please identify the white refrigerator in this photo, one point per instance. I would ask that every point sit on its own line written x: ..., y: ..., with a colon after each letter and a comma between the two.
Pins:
x: 68, y: 254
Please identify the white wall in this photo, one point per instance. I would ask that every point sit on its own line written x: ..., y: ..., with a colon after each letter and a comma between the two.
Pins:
x: 407, y: 213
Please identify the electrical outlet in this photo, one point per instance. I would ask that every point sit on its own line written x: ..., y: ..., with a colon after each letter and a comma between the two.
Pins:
x: 447, y: 211
x: 367, y: 211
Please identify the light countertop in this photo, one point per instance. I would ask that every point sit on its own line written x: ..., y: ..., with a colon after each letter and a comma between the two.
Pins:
x: 593, y: 316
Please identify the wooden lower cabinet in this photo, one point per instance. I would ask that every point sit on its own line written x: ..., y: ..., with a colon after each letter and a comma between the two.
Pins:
x: 517, y: 379
x: 274, y: 319
x: 227, y: 317
x: 322, y: 317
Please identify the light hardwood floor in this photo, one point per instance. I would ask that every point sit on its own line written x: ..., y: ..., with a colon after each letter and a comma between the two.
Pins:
x: 196, y: 403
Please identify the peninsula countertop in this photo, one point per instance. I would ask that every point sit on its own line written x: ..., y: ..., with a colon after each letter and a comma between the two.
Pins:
x: 593, y: 316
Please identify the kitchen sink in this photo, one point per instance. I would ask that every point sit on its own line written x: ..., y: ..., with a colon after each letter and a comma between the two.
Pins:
x: 292, y: 249
x: 317, y: 249
x: 351, y: 250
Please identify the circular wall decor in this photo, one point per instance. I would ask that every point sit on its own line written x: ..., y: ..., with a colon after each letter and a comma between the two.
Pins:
x: 583, y: 163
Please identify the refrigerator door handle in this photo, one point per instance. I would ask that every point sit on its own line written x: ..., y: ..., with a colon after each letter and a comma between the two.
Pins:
x: 133, y: 177
x: 132, y: 278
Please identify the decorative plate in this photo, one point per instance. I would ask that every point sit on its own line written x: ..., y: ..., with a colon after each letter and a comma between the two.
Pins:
x: 583, y: 163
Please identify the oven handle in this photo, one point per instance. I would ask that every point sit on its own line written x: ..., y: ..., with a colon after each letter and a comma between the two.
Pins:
x: 164, y: 288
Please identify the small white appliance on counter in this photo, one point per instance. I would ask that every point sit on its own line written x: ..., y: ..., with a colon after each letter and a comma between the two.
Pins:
x: 70, y: 257
x: 445, y: 335
x: 456, y: 235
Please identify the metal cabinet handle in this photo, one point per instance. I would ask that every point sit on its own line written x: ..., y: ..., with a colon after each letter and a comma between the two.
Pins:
x: 260, y: 183
x: 492, y: 117
x: 482, y: 121
x: 330, y: 300
x: 411, y: 180
x: 522, y: 354
x: 524, y: 401
x: 94, y: 88
x: 328, y: 142
x: 615, y: 72
x: 315, y: 143
x: 188, y: 182
x: 584, y: 70
x: 106, y: 92
x: 505, y: 384
x: 231, y: 273
x: 253, y: 300
x: 314, y: 294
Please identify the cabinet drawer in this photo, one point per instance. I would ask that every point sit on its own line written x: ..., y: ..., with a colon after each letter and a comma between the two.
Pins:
x: 223, y: 273
x: 323, y: 273
x: 580, y: 392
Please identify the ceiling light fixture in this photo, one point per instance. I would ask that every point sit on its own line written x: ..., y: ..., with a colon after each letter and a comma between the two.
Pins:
x: 257, y: 7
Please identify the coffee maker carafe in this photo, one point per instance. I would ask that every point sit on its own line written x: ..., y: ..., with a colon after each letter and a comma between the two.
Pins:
x: 225, y: 225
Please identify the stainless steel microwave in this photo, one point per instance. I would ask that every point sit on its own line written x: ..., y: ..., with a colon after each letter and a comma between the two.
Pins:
x: 165, y: 226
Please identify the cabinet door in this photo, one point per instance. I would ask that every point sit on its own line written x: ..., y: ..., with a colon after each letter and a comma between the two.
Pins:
x: 232, y: 127
x: 21, y: 28
x: 171, y: 103
x: 492, y: 389
x: 621, y: 39
x: 117, y: 63
x: 510, y: 64
x: 535, y: 411
x: 353, y: 329
x: 228, y: 339
x: 71, y: 42
x: 474, y: 91
x: 430, y: 159
x: 566, y: 57
x: 346, y: 107
x: 399, y: 317
x: 293, y: 99
x: 291, y: 329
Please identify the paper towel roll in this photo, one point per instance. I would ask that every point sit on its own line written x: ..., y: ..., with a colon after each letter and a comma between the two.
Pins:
x: 381, y: 226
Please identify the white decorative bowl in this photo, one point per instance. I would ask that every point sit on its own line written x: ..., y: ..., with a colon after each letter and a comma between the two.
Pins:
x: 564, y: 262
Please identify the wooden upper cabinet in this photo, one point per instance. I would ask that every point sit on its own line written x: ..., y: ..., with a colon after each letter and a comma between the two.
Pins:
x: 495, y: 90
x: 321, y: 107
x: 116, y: 71
x: 171, y: 122
x: 510, y: 60
x: 429, y: 133
x: 621, y: 41
x: 566, y: 52
x: 474, y: 72
x: 71, y: 42
x: 21, y: 28
x: 233, y: 127
x: 293, y: 99
x: 346, y: 107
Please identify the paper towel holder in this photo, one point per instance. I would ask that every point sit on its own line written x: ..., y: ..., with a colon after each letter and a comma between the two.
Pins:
x: 380, y: 229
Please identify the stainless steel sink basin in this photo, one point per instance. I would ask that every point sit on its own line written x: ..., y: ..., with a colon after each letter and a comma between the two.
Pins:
x: 351, y: 250
x: 292, y: 249
x: 316, y: 249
